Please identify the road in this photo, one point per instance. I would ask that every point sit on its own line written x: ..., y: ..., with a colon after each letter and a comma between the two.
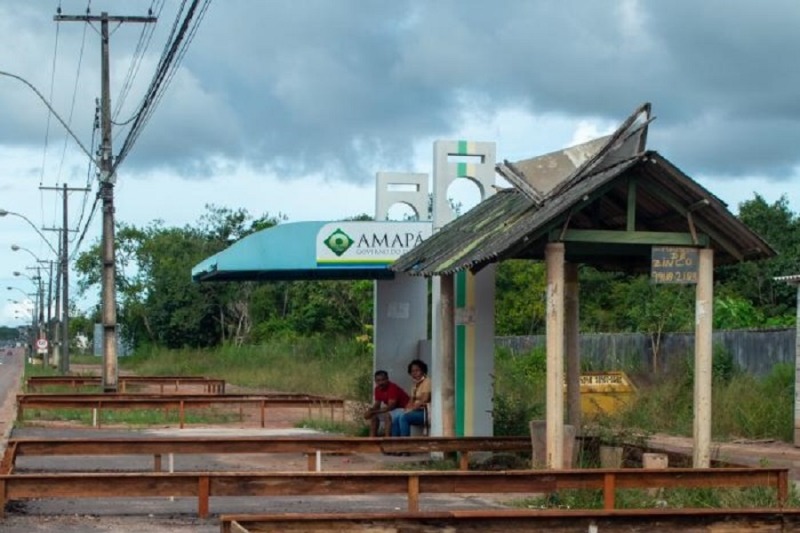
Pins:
x: 11, y: 368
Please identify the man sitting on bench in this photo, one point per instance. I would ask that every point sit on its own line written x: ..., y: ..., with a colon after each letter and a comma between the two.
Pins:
x: 390, y: 404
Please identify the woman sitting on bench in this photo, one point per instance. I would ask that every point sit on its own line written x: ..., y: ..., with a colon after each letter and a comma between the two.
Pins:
x: 417, y: 409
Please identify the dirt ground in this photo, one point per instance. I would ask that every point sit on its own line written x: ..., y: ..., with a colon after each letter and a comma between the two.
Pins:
x: 163, y: 515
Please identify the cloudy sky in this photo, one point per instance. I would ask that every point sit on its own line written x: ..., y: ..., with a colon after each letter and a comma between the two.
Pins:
x: 292, y: 106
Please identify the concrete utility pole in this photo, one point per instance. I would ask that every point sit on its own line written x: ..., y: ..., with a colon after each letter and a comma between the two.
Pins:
x: 63, y: 354
x: 107, y: 180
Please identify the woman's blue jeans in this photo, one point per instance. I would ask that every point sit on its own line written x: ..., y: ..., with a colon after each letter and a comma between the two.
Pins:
x: 411, y: 418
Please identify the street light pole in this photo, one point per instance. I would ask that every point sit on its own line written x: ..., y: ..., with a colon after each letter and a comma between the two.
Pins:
x: 37, y: 281
x: 17, y: 248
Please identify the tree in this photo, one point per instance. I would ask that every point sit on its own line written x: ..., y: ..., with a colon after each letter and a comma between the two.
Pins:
x: 753, y: 280
x: 520, y: 297
x: 158, y: 301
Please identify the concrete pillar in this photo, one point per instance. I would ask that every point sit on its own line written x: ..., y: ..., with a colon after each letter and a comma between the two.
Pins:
x: 797, y: 372
x: 572, y: 345
x: 703, y: 351
x: 554, y: 259
x: 446, y: 355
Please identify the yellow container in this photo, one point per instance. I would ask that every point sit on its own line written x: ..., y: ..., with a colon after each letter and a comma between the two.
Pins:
x: 605, y: 392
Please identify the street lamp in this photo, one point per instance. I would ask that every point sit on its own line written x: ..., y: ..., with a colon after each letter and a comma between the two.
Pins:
x: 17, y: 248
x: 4, y: 212
x: 53, y: 111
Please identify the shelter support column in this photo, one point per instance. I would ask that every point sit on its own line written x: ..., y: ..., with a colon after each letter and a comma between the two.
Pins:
x: 554, y: 260
x: 572, y: 345
x: 797, y: 372
x: 703, y: 350
x: 447, y: 355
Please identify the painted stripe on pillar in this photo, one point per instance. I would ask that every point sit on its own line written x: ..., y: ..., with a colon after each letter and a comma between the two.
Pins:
x: 463, y: 147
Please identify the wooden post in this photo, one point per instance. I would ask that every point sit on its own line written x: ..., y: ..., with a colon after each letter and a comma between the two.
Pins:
x: 783, y: 488
x: 572, y: 346
x: 554, y: 259
x: 609, y: 488
x: 703, y: 352
x: 263, y: 414
x: 157, y: 462
x: 463, y: 461
x: 447, y: 355
x: 2, y: 498
x: 202, y: 496
x: 413, y: 494
x: 180, y: 413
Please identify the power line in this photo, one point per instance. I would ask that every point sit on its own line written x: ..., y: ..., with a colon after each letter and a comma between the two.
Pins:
x: 175, y: 49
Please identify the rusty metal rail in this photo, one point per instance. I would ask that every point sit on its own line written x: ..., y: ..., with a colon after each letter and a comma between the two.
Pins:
x: 158, y: 446
x: 166, y: 384
x: 100, y: 401
x: 551, y: 520
x: 204, y: 485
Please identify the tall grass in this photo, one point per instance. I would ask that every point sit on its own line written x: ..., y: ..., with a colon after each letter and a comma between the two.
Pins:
x: 317, y: 365
x: 743, y: 406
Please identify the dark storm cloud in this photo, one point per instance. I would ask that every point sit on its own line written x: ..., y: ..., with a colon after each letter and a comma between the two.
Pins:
x: 347, y: 87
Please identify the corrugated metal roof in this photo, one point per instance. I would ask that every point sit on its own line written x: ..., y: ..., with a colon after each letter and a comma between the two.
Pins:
x: 793, y: 279
x: 511, y: 225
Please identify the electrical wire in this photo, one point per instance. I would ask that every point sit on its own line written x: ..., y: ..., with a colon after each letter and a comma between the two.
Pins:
x: 174, y: 52
x: 74, y: 97
x: 136, y: 62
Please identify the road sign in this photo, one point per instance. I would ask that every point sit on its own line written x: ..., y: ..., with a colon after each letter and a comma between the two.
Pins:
x: 41, y: 345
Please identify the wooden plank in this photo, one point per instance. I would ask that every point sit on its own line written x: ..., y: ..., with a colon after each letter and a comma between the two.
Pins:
x: 496, y: 521
x: 233, y: 445
x: 125, y: 485
x: 661, y: 238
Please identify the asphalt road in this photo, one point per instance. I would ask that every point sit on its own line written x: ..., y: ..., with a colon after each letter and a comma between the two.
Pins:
x: 11, y: 367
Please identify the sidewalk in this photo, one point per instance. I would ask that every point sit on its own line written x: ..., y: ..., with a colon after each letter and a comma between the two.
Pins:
x: 764, y: 453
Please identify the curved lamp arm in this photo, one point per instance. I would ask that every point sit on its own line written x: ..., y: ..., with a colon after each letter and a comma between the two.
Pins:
x: 4, y: 212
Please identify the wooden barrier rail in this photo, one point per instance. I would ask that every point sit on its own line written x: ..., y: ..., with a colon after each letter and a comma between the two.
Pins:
x: 204, y: 485
x: 178, y: 401
x: 209, y: 385
x: 158, y: 446
x: 551, y: 520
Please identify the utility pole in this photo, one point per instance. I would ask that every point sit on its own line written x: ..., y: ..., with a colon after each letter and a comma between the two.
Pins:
x: 107, y: 180
x: 63, y: 354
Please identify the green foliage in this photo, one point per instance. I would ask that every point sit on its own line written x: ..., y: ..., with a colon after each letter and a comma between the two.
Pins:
x: 520, y: 301
x: 313, y: 365
x: 744, y: 406
x: 8, y: 334
x: 519, y: 391
x: 701, y: 498
x: 754, y: 280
